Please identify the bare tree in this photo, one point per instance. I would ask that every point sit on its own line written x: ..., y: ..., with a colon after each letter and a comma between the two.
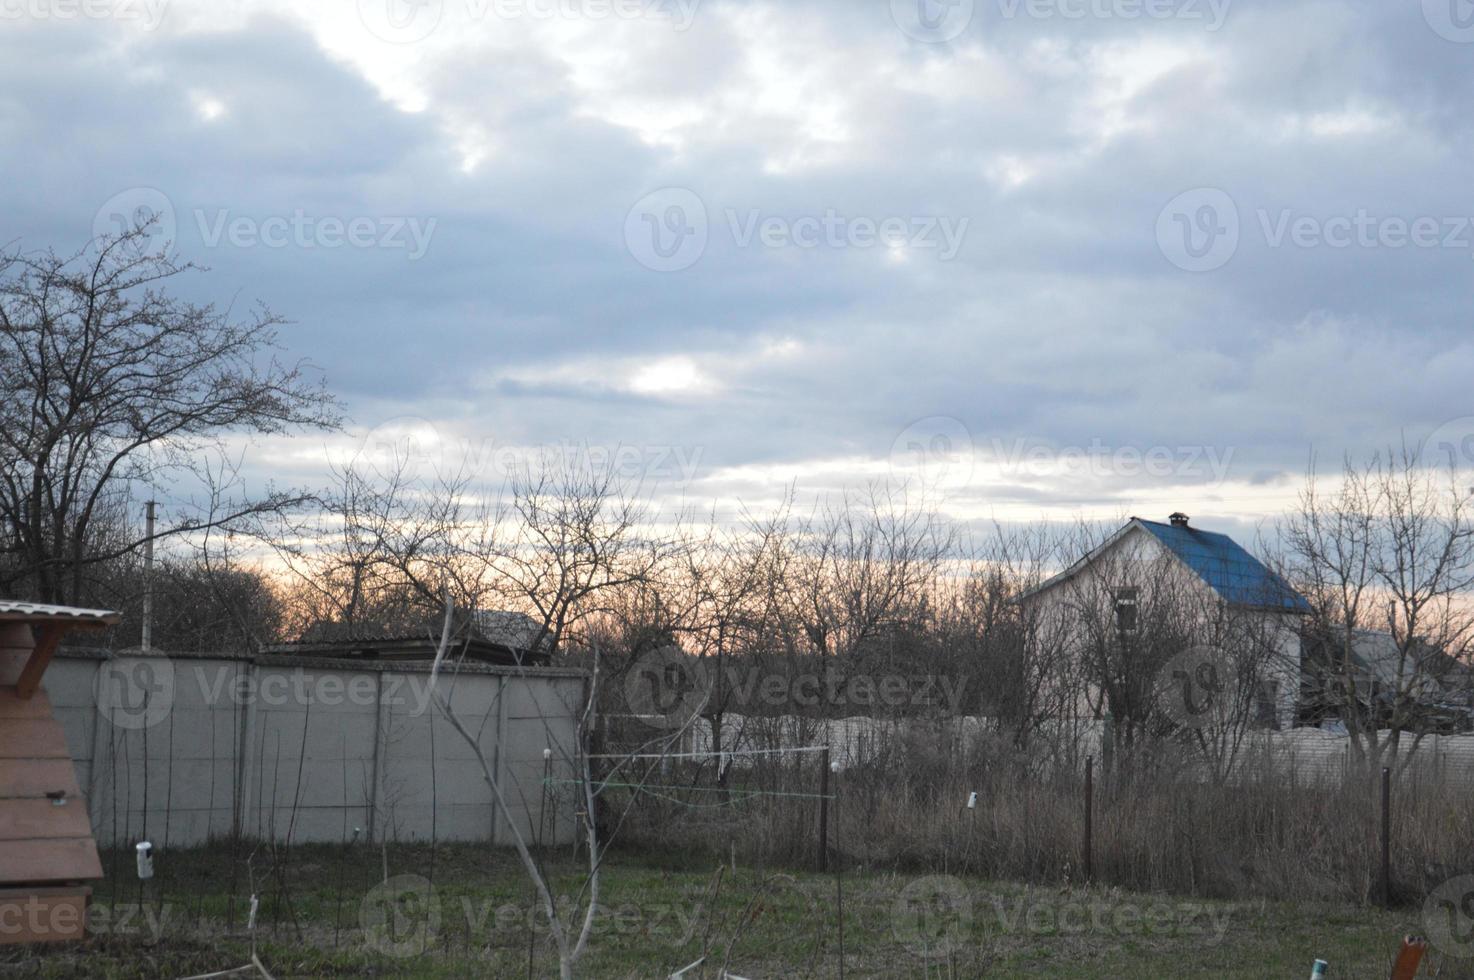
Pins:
x: 108, y: 382
x: 1015, y: 656
x: 1386, y: 559
x: 570, y: 537
x: 862, y: 568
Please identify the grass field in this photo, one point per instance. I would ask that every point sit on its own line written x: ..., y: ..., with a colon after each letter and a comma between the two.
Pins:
x: 657, y: 915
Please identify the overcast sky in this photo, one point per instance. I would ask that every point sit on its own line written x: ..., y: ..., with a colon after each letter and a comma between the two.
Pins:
x: 1101, y: 256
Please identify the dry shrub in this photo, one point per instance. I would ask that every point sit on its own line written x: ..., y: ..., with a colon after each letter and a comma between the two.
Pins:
x: 1268, y: 833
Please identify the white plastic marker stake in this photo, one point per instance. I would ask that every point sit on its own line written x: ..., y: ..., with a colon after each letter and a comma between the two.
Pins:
x: 972, y: 800
x: 145, y: 859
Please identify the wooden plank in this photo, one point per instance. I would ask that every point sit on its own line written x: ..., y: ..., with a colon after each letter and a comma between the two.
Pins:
x: 33, y: 818
x: 32, y: 738
x: 37, y: 860
x: 36, y: 706
x: 12, y: 662
x: 46, y: 644
x: 43, y: 915
x: 34, y: 778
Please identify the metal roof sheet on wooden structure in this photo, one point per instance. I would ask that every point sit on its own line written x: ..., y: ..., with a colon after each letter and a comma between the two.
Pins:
x: 36, y: 612
x: 47, y: 852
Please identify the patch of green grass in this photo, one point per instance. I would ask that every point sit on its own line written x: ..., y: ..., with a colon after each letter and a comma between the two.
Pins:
x: 320, y: 915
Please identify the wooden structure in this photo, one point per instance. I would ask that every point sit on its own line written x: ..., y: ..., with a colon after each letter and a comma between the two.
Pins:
x: 47, y: 853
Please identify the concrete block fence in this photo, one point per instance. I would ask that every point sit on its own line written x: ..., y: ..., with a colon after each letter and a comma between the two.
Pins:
x: 185, y: 748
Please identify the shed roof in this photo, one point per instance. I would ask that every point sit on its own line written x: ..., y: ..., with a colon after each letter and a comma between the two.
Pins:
x: 13, y: 610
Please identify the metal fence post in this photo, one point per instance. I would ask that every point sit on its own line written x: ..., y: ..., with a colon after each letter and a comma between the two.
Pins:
x: 824, y: 810
x: 1386, y: 838
x: 1089, y: 814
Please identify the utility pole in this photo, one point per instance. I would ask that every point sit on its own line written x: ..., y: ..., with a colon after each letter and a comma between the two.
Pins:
x: 148, y: 577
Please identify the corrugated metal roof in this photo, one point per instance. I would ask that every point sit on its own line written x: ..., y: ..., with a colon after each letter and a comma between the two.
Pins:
x: 514, y: 630
x: 1237, y: 576
x: 12, y: 610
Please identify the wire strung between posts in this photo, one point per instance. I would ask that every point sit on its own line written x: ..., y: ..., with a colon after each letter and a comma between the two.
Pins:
x: 745, y: 794
x: 709, y: 754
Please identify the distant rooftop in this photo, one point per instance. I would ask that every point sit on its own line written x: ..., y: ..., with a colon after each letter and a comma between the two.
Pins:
x: 495, y: 637
x: 515, y: 630
x: 1236, y: 576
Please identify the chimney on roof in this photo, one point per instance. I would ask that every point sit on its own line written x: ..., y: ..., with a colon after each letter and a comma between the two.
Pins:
x: 1178, y: 519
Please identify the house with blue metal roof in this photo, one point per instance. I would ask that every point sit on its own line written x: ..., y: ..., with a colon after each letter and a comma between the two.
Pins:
x: 1234, y: 575
x: 1203, y: 567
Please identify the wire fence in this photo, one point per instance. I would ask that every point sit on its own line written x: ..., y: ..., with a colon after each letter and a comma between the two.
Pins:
x: 768, y: 795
